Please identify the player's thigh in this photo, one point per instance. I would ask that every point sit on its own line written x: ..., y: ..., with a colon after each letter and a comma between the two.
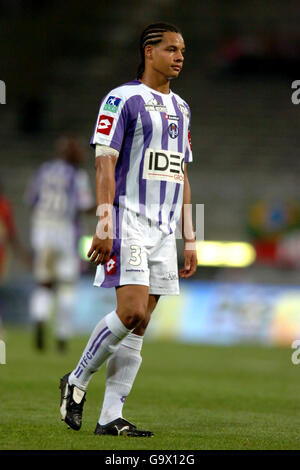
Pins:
x: 152, y: 303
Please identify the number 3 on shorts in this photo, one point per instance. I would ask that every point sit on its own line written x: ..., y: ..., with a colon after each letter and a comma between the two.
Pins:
x: 135, y: 259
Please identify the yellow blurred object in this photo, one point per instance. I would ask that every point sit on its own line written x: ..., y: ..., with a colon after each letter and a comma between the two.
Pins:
x: 84, y: 246
x: 285, y: 326
x: 230, y: 254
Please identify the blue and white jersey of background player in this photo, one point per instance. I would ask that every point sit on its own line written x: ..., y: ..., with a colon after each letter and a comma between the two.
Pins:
x: 57, y: 193
x: 151, y: 130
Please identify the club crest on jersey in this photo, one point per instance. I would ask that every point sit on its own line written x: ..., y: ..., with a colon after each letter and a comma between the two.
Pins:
x: 112, y: 104
x: 164, y: 165
x: 111, y: 266
x: 155, y: 105
x: 173, y: 130
x: 105, y: 124
x: 184, y: 110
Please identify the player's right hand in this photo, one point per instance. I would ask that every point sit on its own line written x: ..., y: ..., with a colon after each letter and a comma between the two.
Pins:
x: 100, y: 250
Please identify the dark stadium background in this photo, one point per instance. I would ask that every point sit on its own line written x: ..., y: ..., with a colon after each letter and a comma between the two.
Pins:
x: 218, y: 369
x: 59, y: 58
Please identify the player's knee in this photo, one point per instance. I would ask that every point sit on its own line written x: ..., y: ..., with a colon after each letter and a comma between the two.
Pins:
x: 134, y: 315
x: 141, y: 327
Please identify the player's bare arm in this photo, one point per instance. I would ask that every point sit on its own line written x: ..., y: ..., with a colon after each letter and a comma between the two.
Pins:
x: 105, y: 192
x: 190, y: 254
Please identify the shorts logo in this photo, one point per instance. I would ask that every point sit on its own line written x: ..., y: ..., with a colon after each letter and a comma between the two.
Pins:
x: 111, y: 266
x: 164, y: 165
x: 173, y: 130
x: 154, y: 105
x: 105, y: 124
x: 171, y: 276
x: 112, y: 104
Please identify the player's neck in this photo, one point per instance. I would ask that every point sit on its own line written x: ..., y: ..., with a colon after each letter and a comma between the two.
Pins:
x: 72, y: 162
x: 156, y: 82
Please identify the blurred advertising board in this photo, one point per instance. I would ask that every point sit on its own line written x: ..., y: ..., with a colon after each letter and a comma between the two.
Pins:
x: 204, y: 312
x: 209, y: 312
x: 228, y: 313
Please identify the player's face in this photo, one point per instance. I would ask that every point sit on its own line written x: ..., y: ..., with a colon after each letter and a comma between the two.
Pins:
x: 167, y: 57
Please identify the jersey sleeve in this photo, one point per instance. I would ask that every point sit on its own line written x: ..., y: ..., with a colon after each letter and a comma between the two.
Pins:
x: 111, y: 121
x: 188, y: 156
x: 85, y: 198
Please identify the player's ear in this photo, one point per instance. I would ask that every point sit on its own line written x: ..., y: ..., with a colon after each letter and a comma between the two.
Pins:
x: 148, y: 51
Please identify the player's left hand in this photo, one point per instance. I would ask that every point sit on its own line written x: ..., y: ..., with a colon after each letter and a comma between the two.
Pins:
x: 190, y: 263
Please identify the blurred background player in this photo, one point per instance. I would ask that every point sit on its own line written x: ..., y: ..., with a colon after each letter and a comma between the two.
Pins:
x: 58, y: 193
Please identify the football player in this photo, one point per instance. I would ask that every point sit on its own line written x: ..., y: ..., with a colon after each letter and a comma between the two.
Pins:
x: 142, y: 149
x: 58, y: 192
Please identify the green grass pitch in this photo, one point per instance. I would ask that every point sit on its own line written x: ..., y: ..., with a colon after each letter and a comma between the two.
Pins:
x: 192, y: 397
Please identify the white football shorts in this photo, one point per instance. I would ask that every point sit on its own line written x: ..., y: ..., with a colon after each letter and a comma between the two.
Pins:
x: 55, y: 255
x: 144, y: 256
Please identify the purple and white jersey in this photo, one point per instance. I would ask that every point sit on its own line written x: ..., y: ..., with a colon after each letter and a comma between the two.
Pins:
x: 58, y: 191
x: 151, y: 130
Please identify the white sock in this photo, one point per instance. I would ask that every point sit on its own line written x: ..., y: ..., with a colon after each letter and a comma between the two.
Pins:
x: 65, y: 309
x: 106, y: 335
x: 121, y: 370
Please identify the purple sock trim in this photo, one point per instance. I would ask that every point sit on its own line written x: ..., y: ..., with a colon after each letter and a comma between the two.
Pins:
x: 97, y: 337
x: 98, y: 344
